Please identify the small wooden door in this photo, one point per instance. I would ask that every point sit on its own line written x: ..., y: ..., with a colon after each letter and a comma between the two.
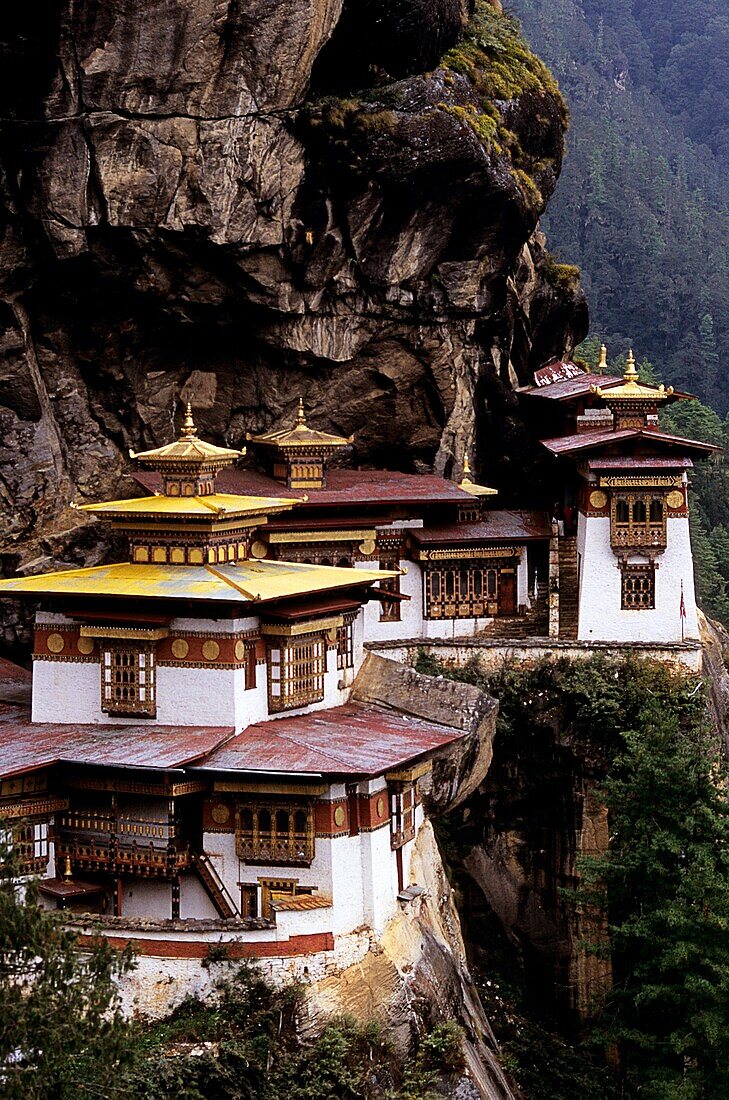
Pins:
x: 507, y: 592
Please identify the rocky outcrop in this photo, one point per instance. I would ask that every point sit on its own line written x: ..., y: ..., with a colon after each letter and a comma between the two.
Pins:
x: 210, y: 202
x: 461, y: 767
x: 415, y: 977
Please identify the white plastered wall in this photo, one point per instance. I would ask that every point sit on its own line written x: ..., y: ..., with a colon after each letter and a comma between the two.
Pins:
x: 601, y: 617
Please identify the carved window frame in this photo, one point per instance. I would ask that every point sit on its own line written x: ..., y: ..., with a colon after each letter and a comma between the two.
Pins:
x: 296, y: 671
x: 463, y: 591
x: 638, y: 587
x: 630, y: 528
x: 345, y: 643
x: 402, y: 814
x: 128, y: 679
x: 275, y: 832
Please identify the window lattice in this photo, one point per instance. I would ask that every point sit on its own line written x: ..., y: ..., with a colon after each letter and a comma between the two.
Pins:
x: 28, y: 842
x: 638, y: 587
x: 128, y: 680
x: 280, y: 832
x: 390, y: 609
x: 402, y: 816
x: 638, y: 519
x: 345, y: 645
x: 462, y: 592
x: 296, y: 670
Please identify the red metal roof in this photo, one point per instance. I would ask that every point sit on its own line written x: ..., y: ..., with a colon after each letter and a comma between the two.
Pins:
x: 13, y: 674
x: 355, y: 739
x: 570, y: 389
x: 501, y: 526
x: 557, y: 370
x: 25, y: 745
x: 344, y: 487
x: 585, y: 441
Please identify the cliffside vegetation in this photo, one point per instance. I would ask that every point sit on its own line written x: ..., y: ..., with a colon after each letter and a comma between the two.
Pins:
x: 650, y: 905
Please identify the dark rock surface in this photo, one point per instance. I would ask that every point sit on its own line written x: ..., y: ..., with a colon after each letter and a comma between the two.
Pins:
x: 185, y: 217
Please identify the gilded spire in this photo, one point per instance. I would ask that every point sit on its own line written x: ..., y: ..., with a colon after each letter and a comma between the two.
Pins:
x: 631, y: 374
x: 472, y: 487
x: 301, y: 415
x: 189, y: 431
x: 602, y: 361
x: 466, y: 467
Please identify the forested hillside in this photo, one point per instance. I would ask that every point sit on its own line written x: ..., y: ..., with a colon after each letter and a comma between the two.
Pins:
x: 643, y: 203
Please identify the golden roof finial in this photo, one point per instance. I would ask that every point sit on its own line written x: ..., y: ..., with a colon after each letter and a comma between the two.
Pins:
x: 602, y: 361
x: 301, y: 415
x: 466, y: 467
x: 631, y: 374
x: 67, y: 872
x: 189, y: 431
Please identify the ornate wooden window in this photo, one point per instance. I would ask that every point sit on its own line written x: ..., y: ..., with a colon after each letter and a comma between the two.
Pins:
x: 390, y: 609
x: 467, y: 591
x: 128, y: 680
x: 296, y: 668
x: 402, y: 815
x: 278, y: 832
x: 638, y: 519
x: 345, y: 643
x: 638, y: 587
x: 28, y: 843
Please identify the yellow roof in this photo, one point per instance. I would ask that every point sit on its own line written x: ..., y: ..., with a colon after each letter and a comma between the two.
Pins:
x: 632, y: 388
x: 215, y: 506
x: 246, y: 582
x: 301, y: 436
x: 473, y: 487
x: 188, y: 449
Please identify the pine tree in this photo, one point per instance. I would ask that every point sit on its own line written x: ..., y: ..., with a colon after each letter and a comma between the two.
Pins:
x: 62, y: 1035
x: 666, y: 882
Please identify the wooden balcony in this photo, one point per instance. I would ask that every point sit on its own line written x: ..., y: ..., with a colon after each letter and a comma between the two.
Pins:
x: 120, y: 845
x: 272, y: 848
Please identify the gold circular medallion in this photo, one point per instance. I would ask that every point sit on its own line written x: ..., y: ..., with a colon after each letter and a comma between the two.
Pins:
x: 367, y: 547
x: 675, y: 499
x: 240, y: 650
x: 85, y: 645
x: 259, y: 549
x: 339, y: 816
x: 180, y: 649
x: 210, y: 650
x: 598, y: 499
x: 55, y: 643
x: 380, y: 807
x: 220, y: 813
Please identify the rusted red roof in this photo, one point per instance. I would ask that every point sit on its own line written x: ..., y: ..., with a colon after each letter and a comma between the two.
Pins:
x: 344, y: 487
x: 586, y: 441
x: 646, y: 462
x: 25, y: 745
x: 497, y: 526
x: 557, y: 370
x: 355, y: 739
x: 13, y: 674
x: 569, y: 389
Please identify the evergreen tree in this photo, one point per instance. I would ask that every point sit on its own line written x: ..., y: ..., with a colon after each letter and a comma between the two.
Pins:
x: 666, y: 882
x: 62, y: 1035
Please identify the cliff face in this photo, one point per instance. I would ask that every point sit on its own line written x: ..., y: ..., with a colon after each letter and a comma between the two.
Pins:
x: 237, y: 202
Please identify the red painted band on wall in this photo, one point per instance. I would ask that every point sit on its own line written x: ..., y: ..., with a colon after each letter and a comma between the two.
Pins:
x: 194, y: 949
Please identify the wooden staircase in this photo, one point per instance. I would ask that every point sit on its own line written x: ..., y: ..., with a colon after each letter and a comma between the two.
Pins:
x: 214, y: 886
x: 568, y: 594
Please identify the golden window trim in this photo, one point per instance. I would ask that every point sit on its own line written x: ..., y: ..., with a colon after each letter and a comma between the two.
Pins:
x: 628, y: 531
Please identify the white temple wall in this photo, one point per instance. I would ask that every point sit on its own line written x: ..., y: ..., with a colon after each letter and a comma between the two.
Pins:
x: 194, y: 901
x: 523, y: 595
x: 379, y: 873
x: 146, y: 898
x: 347, y: 883
x: 410, y: 623
x: 601, y: 617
